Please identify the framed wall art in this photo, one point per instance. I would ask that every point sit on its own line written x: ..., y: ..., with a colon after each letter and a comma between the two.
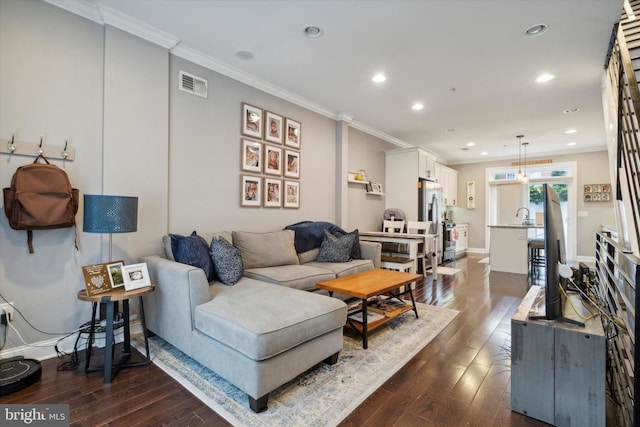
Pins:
x: 272, y: 160
x: 273, y: 192
x: 251, y: 121
x: 273, y: 126
x: 291, y: 194
x: 251, y: 156
x: 250, y: 190
x: 135, y: 276
x: 293, y: 133
x: 292, y: 163
x: 597, y: 192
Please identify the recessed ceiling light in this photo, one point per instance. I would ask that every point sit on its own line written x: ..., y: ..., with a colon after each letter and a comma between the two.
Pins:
x: 570, y: 131
x: 571, y: 143
x: 535, y: 30
x: 571, y: 110
x: 417, y: 106
x: 470, y: 144
x: 313, y: 32
x: 244, y: 54
x: 543, y: 78
x: 484, y: 153
x: 379, y: 78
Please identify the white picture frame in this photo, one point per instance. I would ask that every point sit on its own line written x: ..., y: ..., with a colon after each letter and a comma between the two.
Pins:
x: 135, y: 276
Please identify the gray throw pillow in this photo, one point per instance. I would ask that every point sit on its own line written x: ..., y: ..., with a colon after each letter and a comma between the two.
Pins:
x: 193, y: 250
x: 356, y: 252
x: 227, y: 261
x: 336, y: 249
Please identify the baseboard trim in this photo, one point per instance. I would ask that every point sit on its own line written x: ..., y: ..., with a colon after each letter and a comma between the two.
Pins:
x: 43, y: 350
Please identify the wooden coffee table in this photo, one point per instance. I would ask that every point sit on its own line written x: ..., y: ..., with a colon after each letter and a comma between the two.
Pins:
x: 370, y: 284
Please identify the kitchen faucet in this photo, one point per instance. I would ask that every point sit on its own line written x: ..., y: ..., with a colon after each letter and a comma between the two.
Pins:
x: 526, y: 218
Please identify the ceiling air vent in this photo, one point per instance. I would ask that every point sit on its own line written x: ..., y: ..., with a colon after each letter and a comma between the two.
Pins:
x: 192, y: 84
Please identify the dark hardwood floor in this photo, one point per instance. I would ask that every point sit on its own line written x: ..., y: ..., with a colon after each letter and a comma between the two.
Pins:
x: 461, y: 378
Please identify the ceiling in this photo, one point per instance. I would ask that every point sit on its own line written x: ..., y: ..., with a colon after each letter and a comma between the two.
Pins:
x: 468, y: 62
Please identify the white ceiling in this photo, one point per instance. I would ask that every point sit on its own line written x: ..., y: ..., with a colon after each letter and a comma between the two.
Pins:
x: 467, y: 61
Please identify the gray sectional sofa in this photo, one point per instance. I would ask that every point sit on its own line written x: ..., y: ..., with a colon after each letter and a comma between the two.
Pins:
x: 266, y: 329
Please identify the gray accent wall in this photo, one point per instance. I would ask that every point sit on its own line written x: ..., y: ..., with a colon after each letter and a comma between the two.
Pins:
x: 115, y: 97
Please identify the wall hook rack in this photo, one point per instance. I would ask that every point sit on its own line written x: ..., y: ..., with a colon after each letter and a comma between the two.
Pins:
x: 23, y: 148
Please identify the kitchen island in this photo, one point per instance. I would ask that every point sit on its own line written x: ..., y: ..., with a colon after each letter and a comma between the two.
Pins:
x: 509, y: 247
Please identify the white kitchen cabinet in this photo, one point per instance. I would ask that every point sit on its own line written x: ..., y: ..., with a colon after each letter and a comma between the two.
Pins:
x: 462, y: 244
x: 426, y: 165
x: 448, y: 178
x: 404, y: 167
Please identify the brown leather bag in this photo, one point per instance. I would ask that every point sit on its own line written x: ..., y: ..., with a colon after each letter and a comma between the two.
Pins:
x: 40, y: 197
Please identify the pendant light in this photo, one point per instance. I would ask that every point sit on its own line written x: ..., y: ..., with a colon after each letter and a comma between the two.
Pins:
x: 525, y: 178
x: 519, y: 174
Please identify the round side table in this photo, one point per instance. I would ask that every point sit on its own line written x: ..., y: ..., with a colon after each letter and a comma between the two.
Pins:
x: 110, y: 298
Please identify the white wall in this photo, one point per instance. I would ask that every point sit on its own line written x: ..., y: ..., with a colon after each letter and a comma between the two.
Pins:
x: 365, y: 211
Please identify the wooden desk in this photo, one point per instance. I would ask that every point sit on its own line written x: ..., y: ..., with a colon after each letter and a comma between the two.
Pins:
x: 411, y: 240
x: 110, y: 298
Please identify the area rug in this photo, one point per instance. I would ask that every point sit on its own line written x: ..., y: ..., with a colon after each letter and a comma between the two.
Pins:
x: 322, y: 396
x: 448, y: 271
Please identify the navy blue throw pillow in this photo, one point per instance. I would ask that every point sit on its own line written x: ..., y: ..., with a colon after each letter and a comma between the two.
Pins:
x: 227, y: 261
x: 193, y: 250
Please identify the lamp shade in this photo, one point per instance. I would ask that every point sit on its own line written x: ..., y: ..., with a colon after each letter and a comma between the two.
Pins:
x: 110, y: 214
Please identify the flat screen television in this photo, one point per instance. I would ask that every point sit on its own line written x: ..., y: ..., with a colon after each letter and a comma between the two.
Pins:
x: 555, y: 256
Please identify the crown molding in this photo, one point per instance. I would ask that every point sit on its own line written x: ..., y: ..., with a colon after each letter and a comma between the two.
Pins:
x: 79, y: 7
x: 225, y: 69
x: 105, y: 15
x: 133, y: 26
x: 379, y: 134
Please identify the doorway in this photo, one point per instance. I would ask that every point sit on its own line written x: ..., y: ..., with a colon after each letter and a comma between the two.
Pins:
x: 505, y: 196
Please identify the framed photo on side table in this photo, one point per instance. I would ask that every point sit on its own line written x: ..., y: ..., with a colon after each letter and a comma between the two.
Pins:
x: 251, y: 121
x: 293, y: 133
x: 273, y: 194
x: 115, y: 274
x: 96, y: 278
x: 273, y: 125
x: 291, y: 194
x: 135, y: 276
x: 250, y: 190
x: 292, y: 163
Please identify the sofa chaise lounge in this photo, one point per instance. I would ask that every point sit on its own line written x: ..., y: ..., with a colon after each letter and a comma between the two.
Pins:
x: 266, y: 329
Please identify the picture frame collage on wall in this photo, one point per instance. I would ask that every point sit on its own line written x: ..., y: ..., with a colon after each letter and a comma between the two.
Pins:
x: 270, y: 156
x: 597, y: 192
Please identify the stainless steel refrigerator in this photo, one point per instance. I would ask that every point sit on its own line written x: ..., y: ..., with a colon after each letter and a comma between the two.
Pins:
x: 429, y: 209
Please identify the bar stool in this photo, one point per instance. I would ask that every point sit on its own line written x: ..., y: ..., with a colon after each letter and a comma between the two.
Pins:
x: 536, y: 259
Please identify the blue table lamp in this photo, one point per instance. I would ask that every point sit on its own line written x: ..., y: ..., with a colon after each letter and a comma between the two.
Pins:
x: 110, y: 214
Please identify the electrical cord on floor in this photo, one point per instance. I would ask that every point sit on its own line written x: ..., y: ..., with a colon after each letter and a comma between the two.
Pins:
x: 30, y: 324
